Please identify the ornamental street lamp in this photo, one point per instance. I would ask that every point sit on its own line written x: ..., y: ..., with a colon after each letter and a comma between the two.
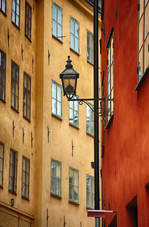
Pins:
x: 69, y: 79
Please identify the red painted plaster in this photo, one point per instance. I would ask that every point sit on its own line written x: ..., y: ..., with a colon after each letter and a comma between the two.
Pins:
x: 126, y: 158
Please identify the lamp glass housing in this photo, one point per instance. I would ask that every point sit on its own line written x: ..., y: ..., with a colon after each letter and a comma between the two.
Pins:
x: 69, y: 79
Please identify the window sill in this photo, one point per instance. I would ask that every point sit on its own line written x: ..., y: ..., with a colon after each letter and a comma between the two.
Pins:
x: 17, y: 111
x: 18, y: 27
x: 89, y: 208
x: 74, y: 202
x: 90, y: 62
x: 89, y: 134
x: 74, y: 126
x: 74, y: 51
x: 56, y: 196
x: 110, y: 122
x: 141, y: 81
x: 29, y: 39
x: 4, y: 13
x: 14, y: 193
x: 27, y: 119
x: 2, y: 100
x: 56, y: 38
x: 56, y: 116
x: 23, y: 197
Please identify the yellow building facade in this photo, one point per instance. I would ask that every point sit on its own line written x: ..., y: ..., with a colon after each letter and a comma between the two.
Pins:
x: 46, y: 143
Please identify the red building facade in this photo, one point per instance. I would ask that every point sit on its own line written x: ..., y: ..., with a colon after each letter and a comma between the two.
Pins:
x: 125, y: 75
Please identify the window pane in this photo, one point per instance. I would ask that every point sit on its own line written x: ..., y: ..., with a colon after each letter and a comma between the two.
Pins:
x: 76, y: 45
x: 53, y: 90
x: 54, y: 106
x: 54, y: 11
x: 141, y: 7
x: 13, y: 16
x: 59, y: 32
x: 70, y: 115
x: 76, y: 29
x: 141, y: 33
x: 147, y: 20
x: 17, y: 20
x: 54, y: 28
x: 140, y: 64
x: 13, y: 5
x: 3, y: 6
x: 71, y: 41
x: 59, y: 109
x: 59, y: 93
x: 146, y: 53
x: 59, y: 16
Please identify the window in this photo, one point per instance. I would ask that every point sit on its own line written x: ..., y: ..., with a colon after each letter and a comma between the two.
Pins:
x: 16, y: 12
x: 28, y: 20
x: 1, y: 163
x: 90, y: 119
x: 89, y: 192
x: 56, y: 99
x: 13, y: 171
x: 74, y: 35
x: 73, y: 185
x: 74, y: 113
x: 25, y: 177
x: 143, y: 47
x: 90, y: 51
x: 2, y: 75
x: 14, y: 86
x: 110, y: 88
x: 132, y: 210
x: 27, y: 96
x: 3, y: 6
x: 56, y: 172
x: 57, y: 21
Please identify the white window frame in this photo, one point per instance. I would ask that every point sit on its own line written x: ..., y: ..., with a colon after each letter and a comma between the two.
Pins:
x: 73, y: 185
x: 90, y: 119
x: 56, y: 100
x: 57, y: 22
x: 143, y: 37
x: 90, y: 47
x: 56, y: 175
x: 74, y: 112
x: 74, y: 35
x: 90, y: 191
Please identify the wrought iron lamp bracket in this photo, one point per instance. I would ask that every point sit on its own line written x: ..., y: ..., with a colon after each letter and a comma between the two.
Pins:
x: 81, y: 101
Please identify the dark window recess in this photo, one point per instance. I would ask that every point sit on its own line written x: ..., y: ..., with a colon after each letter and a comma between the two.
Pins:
x: 13, y: 171
x: 27, y: 97
x: 14, y: 86
x: 1, y: 163
x: 15, y: 16
x: 133, y: 212
x: 25, y: 177
x: 113, y: 222
x: 2, y: 75
x: 3, y: 6
x: 28, y: 20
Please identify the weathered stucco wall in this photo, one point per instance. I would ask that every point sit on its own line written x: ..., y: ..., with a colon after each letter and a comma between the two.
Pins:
x: 125, y: 162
